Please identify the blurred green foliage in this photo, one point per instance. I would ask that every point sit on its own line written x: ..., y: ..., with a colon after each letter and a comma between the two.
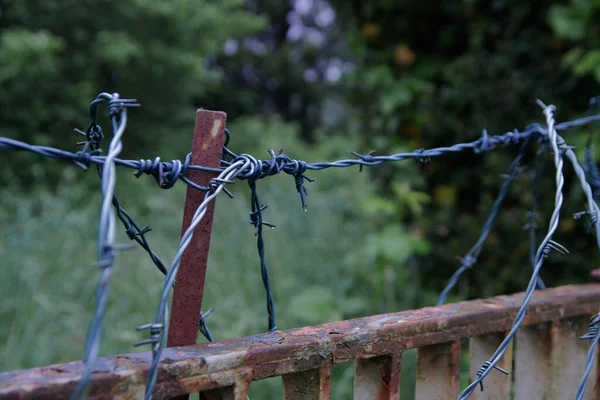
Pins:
x: 390, y: 75
x: 55, y: 56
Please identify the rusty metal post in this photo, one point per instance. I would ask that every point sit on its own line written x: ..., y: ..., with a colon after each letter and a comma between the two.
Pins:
x: 207, y: 148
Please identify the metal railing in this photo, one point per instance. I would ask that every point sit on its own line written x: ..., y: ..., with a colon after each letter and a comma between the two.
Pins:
x: 304, y: 357
x: 545, y: 361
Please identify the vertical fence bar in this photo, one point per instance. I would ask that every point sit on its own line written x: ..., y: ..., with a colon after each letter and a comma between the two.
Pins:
x: 569, y: 353
x: 377, y: 378
x: 497, y: 385
x: 533, y: 362
x: 207, y: 148
x: 308, y: 385
x: 239, y: 391
x: 438, y: 371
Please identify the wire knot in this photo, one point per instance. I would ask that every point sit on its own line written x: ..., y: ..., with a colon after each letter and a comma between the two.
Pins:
x: 133, y: 232
x: 421, y: 158
x: 256, y: 218
x: 484, y: 143
x: 511, y: 138
x: 253, y: 170
x: 467, y: 261
x: 165, y: 174
x: 83, y: 158
x: 296, y: 168
x: 216, y: 182
x: 156, y: 331
x: 94, y: 135
x: 202, y: 325
x: 486, y: 365
x: 367, y: 159
x: 116, y: 105
x: 593, y: 328
x: 552, y: 245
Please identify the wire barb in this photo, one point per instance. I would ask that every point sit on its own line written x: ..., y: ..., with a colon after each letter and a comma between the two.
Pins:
x: 203, y: 328
x: 484, y: 368
x: 246, y: 167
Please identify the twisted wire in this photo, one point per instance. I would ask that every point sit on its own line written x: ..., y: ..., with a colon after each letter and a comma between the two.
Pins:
x: 257, y: 221
x: 203, y: 328
x: 167, y: 173
x: 134, y: 232
x: 471, y: 257
x: 158, y: 337
x: 246, y: 167
x: 593, y: 212
x: 594, y: 335
x: 106, y: 226
x: 544, y: 250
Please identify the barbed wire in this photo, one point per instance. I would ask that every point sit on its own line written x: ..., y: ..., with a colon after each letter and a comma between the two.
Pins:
x: 117, y: 109
x: 560, y: 150
x: 543, y: 252
x: 594, y: 335
x: 470, y: 258
x: 257, y: 220
x: 246, y: 167
x: 167, y: 173
x: 159, y: 329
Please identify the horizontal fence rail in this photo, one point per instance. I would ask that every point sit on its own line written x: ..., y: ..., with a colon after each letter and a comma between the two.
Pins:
x: 304, y: 357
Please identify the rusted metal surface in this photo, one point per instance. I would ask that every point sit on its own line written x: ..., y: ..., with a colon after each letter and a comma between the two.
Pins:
x: 207, y: 148
x: 438, y: 371
x: 307, y: 385
x: 497, y: 385
x: 215, y: 365
x: 533, y: 362
x: 377, y: 378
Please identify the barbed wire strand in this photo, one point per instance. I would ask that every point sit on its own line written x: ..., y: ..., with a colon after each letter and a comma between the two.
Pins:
x: 106, y: 230
x: 544, y: 250
x: 592, y: 175
x: 167, y: 173
x: 257, y: 221
x: 594, y: 335
x: 159, y: 329
x: 246, y: 167
x: 470, y: 258
x: 593, y: 212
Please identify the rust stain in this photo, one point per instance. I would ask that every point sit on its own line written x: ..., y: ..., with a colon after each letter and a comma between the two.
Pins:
x: 187, y: 298
x: 208, y: 366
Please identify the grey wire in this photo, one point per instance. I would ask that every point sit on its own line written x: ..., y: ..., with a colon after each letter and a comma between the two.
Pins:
x: 593, y: 211
x: 171, y: 171
x: 106, y: 247
x: 594, y: 336
x: 246, y: 167
x: 543, y: 251
x: 159, y: 329
x: 470, y: 258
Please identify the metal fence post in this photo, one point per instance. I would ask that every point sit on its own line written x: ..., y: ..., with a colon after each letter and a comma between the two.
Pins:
x: 187, y: 297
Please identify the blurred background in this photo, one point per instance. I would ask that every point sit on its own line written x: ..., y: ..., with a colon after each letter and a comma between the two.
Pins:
x: 319, y: 79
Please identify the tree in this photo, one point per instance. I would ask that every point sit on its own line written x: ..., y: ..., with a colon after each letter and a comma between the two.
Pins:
x: 55, y: 56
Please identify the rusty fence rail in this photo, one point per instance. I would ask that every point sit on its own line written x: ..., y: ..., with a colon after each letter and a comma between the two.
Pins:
x: 546, y: 361
x: 546, y: 358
